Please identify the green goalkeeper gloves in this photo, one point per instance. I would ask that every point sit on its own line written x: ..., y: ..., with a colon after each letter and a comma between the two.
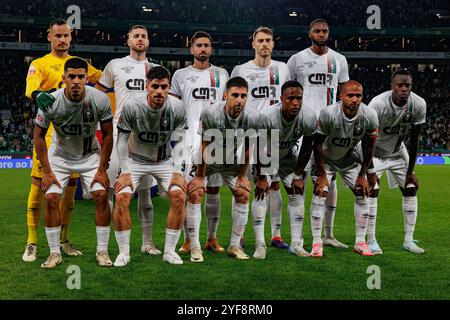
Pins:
x: 43, y: 99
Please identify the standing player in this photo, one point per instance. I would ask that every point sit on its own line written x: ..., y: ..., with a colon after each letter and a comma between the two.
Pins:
x: 320, y: 69
x: 401, y: 114
x: 265, y: 78
x: 45, y: 74
x: 75, y: 115
x: 337, y: 148
x: 227, y: 124
x: 145, y: 128
x: 200, y: 86
x: 291, y: 120
x: 128, y: 77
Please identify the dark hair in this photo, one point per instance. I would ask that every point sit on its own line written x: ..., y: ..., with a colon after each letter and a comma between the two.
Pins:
x: 58, y: 22
x: 75, y: 63
x: 158, y: 72
x: 401, y: 72
x: 137, y: 26
x: 317, y: 21
x: 237, y: 82
x: 200, y: 34
x: 290, y: 84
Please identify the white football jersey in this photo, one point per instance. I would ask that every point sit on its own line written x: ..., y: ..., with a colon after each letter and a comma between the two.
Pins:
x: 151, y: 130
x: 319, y: 76
x: 395, y: 122
x: 199, y: 90
x: 126, y: 76
x: 264, y: 84
x: 343, y: 134
x: 75, y: 123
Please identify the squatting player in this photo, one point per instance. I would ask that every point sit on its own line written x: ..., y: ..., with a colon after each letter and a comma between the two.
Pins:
x: 45, y: 74
x: 345, y: 143
x: 292, y: 120
x: 320, y: 69
x: 401, y: 113
x: 200, y: 86
x: 265, y: 78
x: 145, y: 129
x: 227, y: 124
x: 75, y: 115
x: 128, y: 77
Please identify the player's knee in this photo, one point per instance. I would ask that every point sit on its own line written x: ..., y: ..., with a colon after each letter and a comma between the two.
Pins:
x: 122, y: 201
x: 322, y: 194
x: 358, y: 193
x: 409, y: 192
x: 242, y: 196
x: 275, y: 186
x: 196, y: 196
x: 52, y: 200
x: 374, y: 193
x: 100, y: 197
x: 177, y: 198
x: 212, y: 190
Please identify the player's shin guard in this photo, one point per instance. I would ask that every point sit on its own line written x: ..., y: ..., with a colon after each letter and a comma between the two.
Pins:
x: 193, y: 220
x: 34, y: 207
x: 330, y: 209
x: 212, y: 211
x: 172, y: 237
x: 102, y: 238
x: 53, y: 235
x: 317, y: 213
x: 361, y: 209
x: 296, y: 210
x: 240, y: 218
x: 259, y: 209
x: 275, y: 212
x: 371, y: 223
x: 409, y: 216
x: 145, y: 208
x: 123, y: 241
x: 66, y: 208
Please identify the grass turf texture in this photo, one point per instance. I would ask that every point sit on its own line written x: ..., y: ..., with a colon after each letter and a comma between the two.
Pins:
x: 340, y: 274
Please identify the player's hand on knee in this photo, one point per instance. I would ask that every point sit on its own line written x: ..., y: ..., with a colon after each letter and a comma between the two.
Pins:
x: 242, y: 189
x: 261, y: 188
x: 178, y: 181
x: 48, y: 179
x: 196, y: 188
x: 320, y: 185
x: 298, y: 186
x: 361, y: 186
x: 411, y: 179
x: 372, y: 179
x: 122, y: 182
x: 101, y: 177
x: 43, y: 99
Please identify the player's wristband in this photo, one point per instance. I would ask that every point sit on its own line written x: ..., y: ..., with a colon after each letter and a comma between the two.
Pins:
x: 371, y: 171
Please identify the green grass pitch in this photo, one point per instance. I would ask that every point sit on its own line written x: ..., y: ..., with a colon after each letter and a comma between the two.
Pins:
x: 340, y: 274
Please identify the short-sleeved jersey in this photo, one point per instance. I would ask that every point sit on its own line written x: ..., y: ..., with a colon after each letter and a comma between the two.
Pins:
x: 289, y: 131
x: 127, y: 76
x: 151, y: 130
x: 396, y: 122
x: 343, y: 134
x: 319, y: 75
x: 264, y: 83
x: 75, y: 123
x: 217, y: 124
x: 199, y: 89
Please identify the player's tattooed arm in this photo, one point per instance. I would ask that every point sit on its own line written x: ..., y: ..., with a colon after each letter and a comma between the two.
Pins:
x: 413, y: 148
x: 123, y: 155
x: 41, y: 150
x: 107, y: 144
x: 321, y: 181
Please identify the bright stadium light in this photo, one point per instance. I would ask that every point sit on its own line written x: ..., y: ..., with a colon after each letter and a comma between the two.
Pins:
x: 293, y: 14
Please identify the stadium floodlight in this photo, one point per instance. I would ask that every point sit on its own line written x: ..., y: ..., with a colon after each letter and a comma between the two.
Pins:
x: 293, y: 14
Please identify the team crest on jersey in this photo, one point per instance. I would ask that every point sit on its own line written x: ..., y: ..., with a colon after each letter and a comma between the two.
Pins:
x: 165, y: 122
x: 88, y: 114
x: 32, y: 70
x: 298, y: 131
x: 310, y: 64
x: 357, y: 130
x: 127, y: 69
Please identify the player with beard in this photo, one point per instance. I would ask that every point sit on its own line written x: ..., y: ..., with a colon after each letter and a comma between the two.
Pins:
x: 320, y: 70
x: 127, y: 76
x: 200, y: 86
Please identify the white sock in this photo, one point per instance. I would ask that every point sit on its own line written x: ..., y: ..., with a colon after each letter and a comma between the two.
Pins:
x: 371, y: 223
x: 193, y: 220
x: 185, y: 228
x: 259, y: 209
x: 212, y: 211
x: 172, y: 237
x: 409, y: 205
x: 239, y: 215
x: 361, y: 209
x: 296, y: 210
x: 317, y: 213
x: 330, y: 209
x: 111, y: 193
x: 145, y: 208
x: 123, y: 241
x: 102, y: 237
x: 53, y: 235
x: 275, y: 212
